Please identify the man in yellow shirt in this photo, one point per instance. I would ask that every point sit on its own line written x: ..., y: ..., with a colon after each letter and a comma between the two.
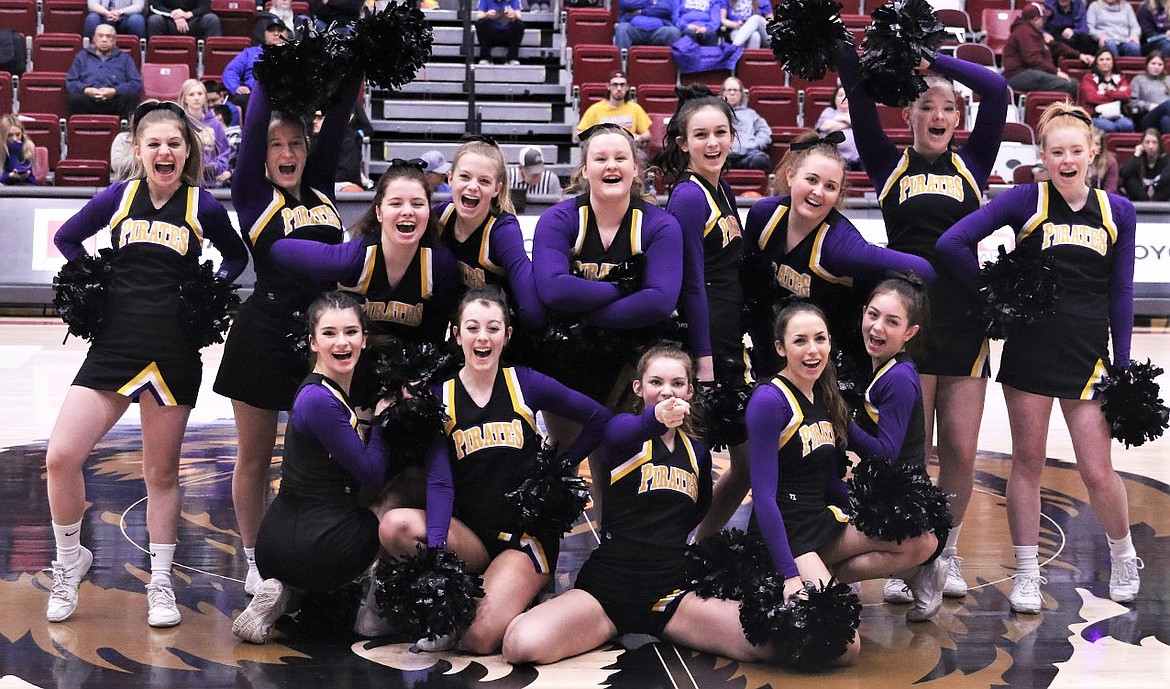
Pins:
x: 619, y: 109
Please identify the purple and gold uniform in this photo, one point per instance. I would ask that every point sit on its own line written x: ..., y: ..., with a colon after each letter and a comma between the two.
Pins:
x: 489, y: 451
x: 920, y: 200
x: 794, y: 457
x: 821, y: 268
x: 494, y: 255
x: 891, y: 427
x: 259, y: 367
x: 711, y: 298
x: 1064, y: 354
x: 654, y: 498
x: 316, y: 536
x: 142, y: 345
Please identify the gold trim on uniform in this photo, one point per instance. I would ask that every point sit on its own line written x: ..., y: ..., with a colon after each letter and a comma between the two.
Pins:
x: 536, y: 549
x: 353, y: 419
x: 449, y: 405
x: 636, y: 218
x: 1038, y: 217
x: 1099, y: 372
x: 149, y: 377
x: 427, y: 272
x: 517, y: 395
x: 124, y: 204
x: 981, y: 360
x: 632, y: 463
x: 870, y: 410
x: 582, y: 226
x: 367, y: 274
x: 899, y: 170
x: 666, y: 600
x: 193, y: 214
x: 771, y: 225
x: 258, y: 227
x: 815, y: 263
x: 797, y: 415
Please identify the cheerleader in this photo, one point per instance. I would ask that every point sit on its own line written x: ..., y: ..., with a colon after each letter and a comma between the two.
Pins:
x: 1090, y: 235
x: 923, y: 191
x: 141, y: 352
x: 279, y: 189
x: 697, y: 143
x: 479, y: 226
x: 489, y: 449
x: 796, y: 429
x: 659, y: 488
x: 316, y: 537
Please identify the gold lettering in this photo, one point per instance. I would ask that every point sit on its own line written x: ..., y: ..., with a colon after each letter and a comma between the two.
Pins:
x: 815, y: 435
x: 154, y: 232
x: 488, y: 435
x: 946, y: 185
x: 794, y: 281
x: 1093, y: 238
x: 394, y: 312
x: 471, y: 276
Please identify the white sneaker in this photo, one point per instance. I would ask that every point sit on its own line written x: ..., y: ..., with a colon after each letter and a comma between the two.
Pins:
x: 513, y: 63
x: 1025, y: 596
x: 485, y: 62
x: 164, y: 612
x: 1123, y: 578
x: 956, y: 586
x: 255, y: 623
x: 252, y: 581
x: 443, y: 643
x: 66, y: 579
x: 369, y: 623
x: 927, y: 588
x: 896, y: 591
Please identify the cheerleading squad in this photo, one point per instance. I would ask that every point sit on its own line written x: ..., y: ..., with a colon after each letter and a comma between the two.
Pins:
x: 412, y: 437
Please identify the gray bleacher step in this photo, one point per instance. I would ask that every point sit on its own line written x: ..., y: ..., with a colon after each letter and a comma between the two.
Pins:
x: 489, y: 88
x: 449, y: 128
x: 526, y: 129
x: 377, y: 167
x: 526, y: 53
x: 414, y: 149
x: 453, y: 36
x: 455, y: 71
x: 457, y: 110
x: 452, y: 17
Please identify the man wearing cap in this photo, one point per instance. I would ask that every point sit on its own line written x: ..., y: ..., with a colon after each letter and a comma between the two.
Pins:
x: 618, y: 109
x: 531, y: 174
x: 1029, y: 63
x: 436, y: 172
x: 238, y: 77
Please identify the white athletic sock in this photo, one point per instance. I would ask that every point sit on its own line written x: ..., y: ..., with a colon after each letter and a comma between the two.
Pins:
x: 161, y: 557
x: 68, y: 540
x: 1122, y: 547
x: 1027, y: 561
x: 952, y: 546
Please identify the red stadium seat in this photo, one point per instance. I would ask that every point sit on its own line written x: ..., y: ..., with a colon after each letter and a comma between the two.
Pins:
x: 776, y: 152
x: 588, y: 25
x: 998, y: 25
x: 859, y: 184
x: 779, y: 107
x: 218, y: 51
x: 658, y: 98
x: 713, y: 79
x: 650, y: 64
x: 658, y: 123
x: 594, y: 63
x: 54, y: 52
x: 82, y: 173
x: 1019, y: 132
x: 43, y: 92
x: 1122, y: 144
x: 163, y: 81
x: 758, y: 67
x: 1036, y: 101
x: 20, y: 15
x: 975, y: 10
x: 45, y: 130
x: 816, y: 99
x: 40, y: 167
x: 855, y: 6
x: 976, y: 53
x: 1022, y: 174
x: 173, y: 50
x: 588, y: 94
x: 6, y: 92
x: 90, y: 136
x: 856, y: 24
x: 830, y: 79
x: 747, y: 181
x: 236, y: 17
x: 64, y: 16
x: 132, y: 45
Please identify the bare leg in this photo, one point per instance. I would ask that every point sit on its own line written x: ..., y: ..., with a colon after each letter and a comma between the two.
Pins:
x: 853, y: 556
x: 1028, y: 416
x: 255, y: 440
x: 1091, y: 445
x: 712, y: 625
x: 729, y: 492
x: 510, y: 583
x: 929, y: 390
x: 568, y: 625
x: 85, y: 417
x: 162, y: 442
x: 402, y: 530
x: 959, y: 406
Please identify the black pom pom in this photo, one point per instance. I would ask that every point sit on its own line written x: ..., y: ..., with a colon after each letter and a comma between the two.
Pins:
x: 208, y: 305
x: 852, y: 379
x: 80, y: 292
x: 296, y: 336
x: 902, y: 34
x: 808, y: 35
x: 1132, y: 403
x: 1021, y: 288
x: 550, y: 501
x: 720, y: 405
x: 628, y: 275
x: 808, y: 632
x: 415, y: 422
x: 306, y: 75
x: 429, y: 593
x: 391, y: 45
x: 726, y: 565
x: 401, y: 363
x: 894, y: 503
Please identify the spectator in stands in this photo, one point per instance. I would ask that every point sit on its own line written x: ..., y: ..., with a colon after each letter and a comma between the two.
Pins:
x: 835, y: 118
x: 238, y: 77
x: 645, y: 22
x: 1154, y: 21
x: 1102, y: 173
x: 619, y: 109
x: 216, y: 151
x: 13, y: 52
x: 182, y: 18
x: 17, y: 155
x: 1114, y: 25
x: 749, y: 148
x: 699, y: 19
x: 280, y: 10
x: 436, y: 172
x: 344, y: 12
x: 1149, y: 95
x: 1145, y: 176
x: 1065, y: 22
x: 1104, y: 93
x: 746, y: 22
x: 531, y: 175
x: 1029, y: 63
x: 498, y: 23
x: 223, y: 115
x: 124, y: 15
x: 218, y: 95
x: 102, y: 79
x: 350, y: 174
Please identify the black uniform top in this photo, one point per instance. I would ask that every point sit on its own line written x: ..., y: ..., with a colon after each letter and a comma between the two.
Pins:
x: 589, y: 257
x: 308, y: 469
x: 474, y: 255
x: 893, y: 410
x: 713, y: 208
x: 314, y: 218
x: 921, y: 200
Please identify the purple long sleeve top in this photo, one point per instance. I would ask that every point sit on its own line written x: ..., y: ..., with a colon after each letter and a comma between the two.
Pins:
x: 319, y: 413
x: 893, y: 396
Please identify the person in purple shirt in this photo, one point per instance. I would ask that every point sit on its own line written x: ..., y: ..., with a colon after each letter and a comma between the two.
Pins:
x: 796, y: 429
x: 1089, y: 233
x: 489, y: 450
x: 645, y: 22
x: 923, y: 191
x: 478, y: 224
x: 193, y: 98
x: 141, y: 351
x: 1065, y: 22
x: 498, y: 23
x: 281, y: 190
x: 699, y: 19
x: 315, y: 536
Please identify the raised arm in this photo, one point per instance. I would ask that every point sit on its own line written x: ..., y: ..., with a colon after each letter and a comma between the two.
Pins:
x: 626, y: 433
x: 878, y: 154
x: 847, y: 253
x: 249, y: 185
x: 321, y: 165
x: 983, y: 145
x: 319, y: 413
x: 543, y: 392
x: 768, y: 414
x: 660, y: 284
